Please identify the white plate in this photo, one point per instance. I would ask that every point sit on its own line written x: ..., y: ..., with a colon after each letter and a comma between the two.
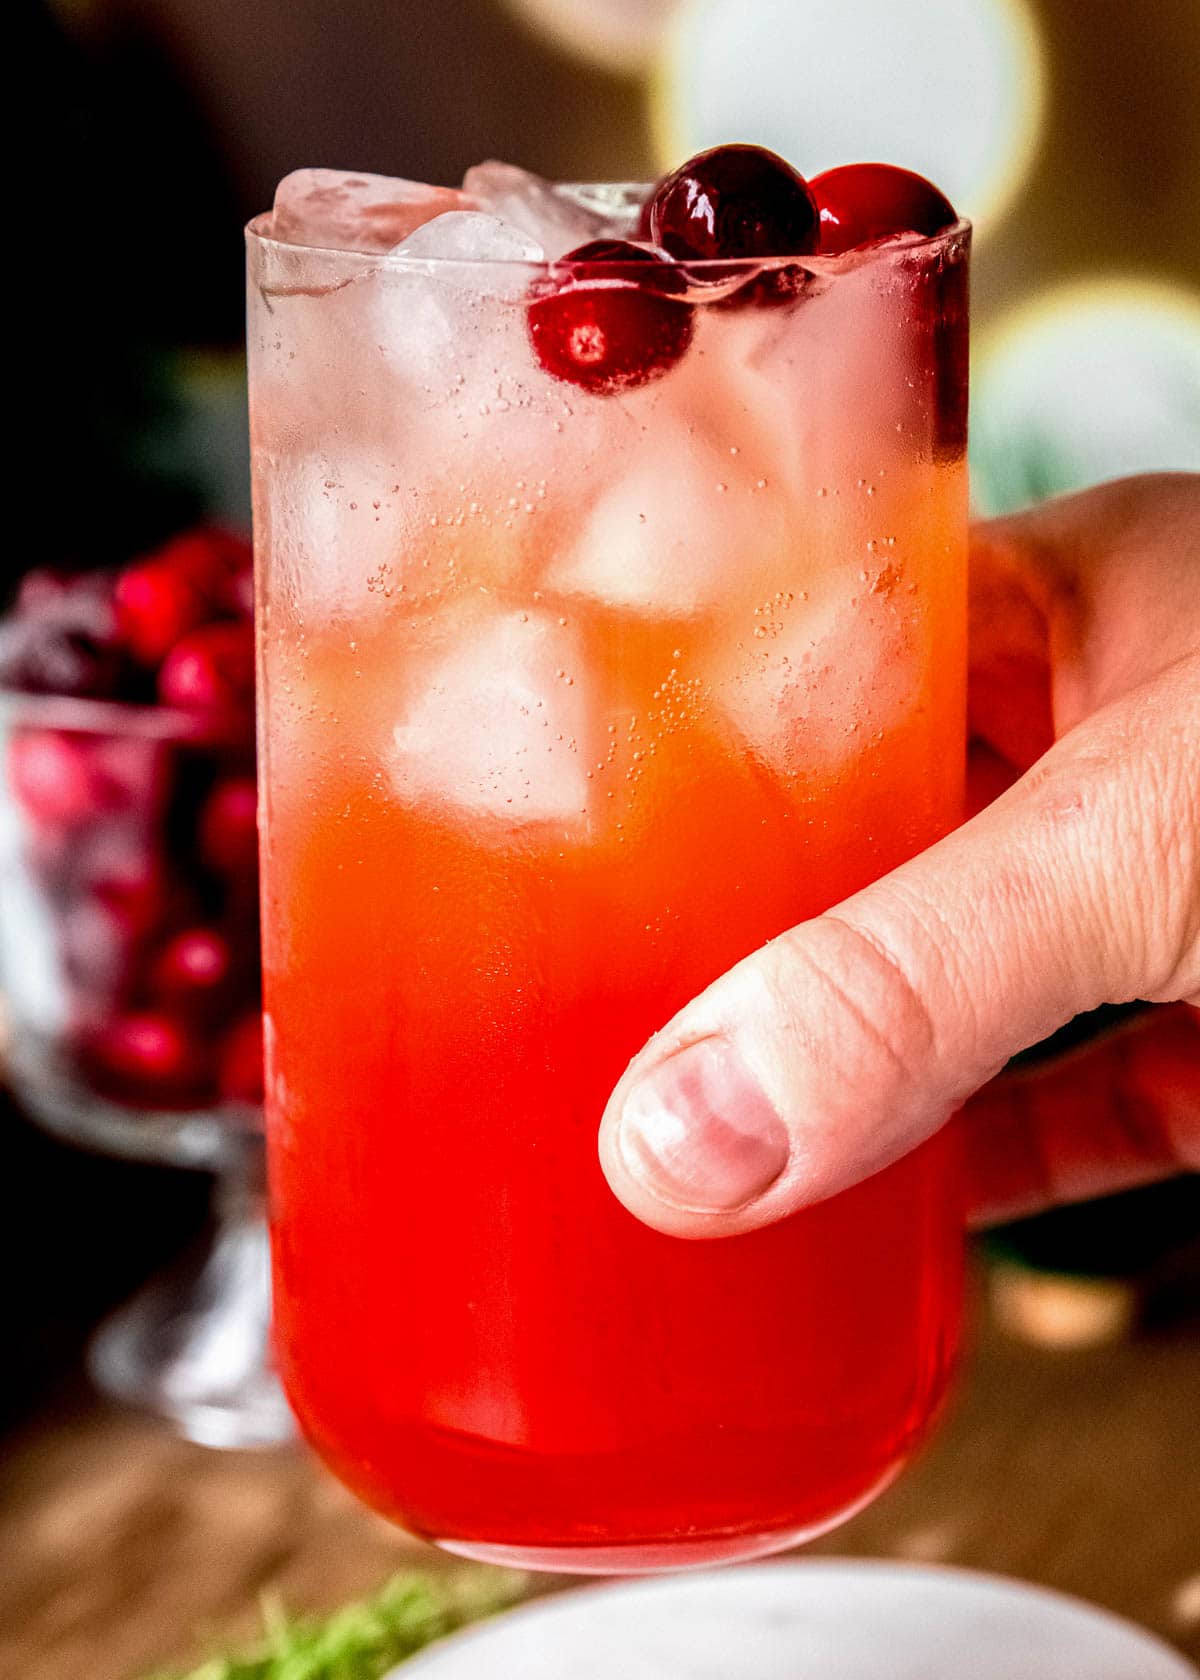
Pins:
x: 819, y: 1620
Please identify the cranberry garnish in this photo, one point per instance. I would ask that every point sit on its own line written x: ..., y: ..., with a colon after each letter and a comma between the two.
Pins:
x: 240, y: 1069
x: 229, y: 828
x: 211, y: 670
x: 734, y: 201
x: 193, y: 973
x: 609, y: 331
x: 146, y: 1058
x: 862, y: 202
x: 156, y: 604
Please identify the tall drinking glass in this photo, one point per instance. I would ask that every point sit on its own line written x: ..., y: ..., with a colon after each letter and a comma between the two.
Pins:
x: 570, y: 699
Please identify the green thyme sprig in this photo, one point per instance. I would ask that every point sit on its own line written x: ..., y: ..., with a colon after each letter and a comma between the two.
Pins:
x: 362, y: 1641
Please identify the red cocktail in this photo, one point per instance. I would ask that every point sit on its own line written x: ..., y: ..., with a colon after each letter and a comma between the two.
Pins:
x: 577, y: 689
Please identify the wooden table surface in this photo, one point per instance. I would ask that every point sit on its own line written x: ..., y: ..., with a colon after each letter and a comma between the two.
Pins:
x: 123, y: 1548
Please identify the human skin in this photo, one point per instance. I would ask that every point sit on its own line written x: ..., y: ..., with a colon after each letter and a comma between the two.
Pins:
x: 841, y: 1045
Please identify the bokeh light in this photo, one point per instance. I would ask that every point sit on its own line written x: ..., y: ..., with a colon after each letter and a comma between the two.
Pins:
x: 619, y: 35
x: 952, y: 88
x: 1086, y: 382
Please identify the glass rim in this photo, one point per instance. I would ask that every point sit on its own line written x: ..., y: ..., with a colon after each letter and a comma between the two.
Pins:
x: 826, y: 264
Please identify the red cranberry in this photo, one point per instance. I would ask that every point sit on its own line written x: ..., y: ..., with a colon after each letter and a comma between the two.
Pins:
x: 734, y: 201
x: 862, y: 202
x: 52, y: 777
x: 211, y: 670
x: 156, y: 604
x: 132, y: 773
x: 63, y: 777
x: 146, y: 1059
x: 607, y: 319
x: 120, y: 868
x: 229, y: 828
x: 193, y: 973
x: 240, y: 1067
x: 217, y: 563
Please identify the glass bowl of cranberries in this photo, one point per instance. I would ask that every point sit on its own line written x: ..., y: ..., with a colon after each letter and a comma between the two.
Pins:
x: 129, y: 949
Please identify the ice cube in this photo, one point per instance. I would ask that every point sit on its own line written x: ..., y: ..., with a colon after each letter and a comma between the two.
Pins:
x: 817, y: 677
x: 501, y: 728
x: 445, y: 316
x: 758, y: 418
x: 333, y: 210
x: 341, y: 527
x: 555, y: 216
x: 473, y: 237
x: 681, y: 531
x: 355, y: 536
x: 619, y: 203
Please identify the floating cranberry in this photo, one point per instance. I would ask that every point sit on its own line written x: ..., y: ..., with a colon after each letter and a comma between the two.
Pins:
x: 146, y: 1059
x: 862, y: 202
x: 734, y: 201
x: 193, y: 973
x: 240, y: 1065
x: 229, y: 828
x: 211, y: 670
x: 608, y: 317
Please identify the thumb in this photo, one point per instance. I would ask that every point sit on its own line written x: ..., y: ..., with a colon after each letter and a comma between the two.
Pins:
x: 844, y: 1043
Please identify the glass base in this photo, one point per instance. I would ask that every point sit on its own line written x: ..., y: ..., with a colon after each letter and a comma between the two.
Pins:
x: 663, y: 1556
x: 194, y: 1345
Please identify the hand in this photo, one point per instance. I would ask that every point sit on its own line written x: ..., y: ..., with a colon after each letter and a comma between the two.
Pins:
x: 844, y: 1043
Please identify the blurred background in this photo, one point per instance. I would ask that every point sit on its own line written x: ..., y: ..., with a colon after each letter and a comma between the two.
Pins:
x: 155, y: 129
